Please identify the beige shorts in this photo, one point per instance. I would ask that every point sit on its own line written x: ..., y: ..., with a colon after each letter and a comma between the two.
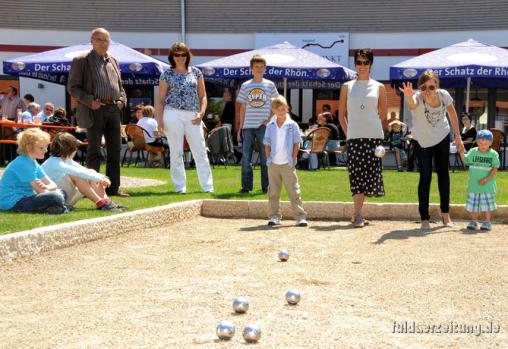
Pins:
x: 73, y: 194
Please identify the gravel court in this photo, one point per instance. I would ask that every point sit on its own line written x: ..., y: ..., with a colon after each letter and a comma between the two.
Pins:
x: 170, y: 287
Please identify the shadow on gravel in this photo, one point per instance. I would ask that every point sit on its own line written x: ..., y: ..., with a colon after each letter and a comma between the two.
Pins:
x: 406, y: 234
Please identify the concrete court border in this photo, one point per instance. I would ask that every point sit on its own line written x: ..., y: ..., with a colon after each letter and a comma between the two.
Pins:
x: 33, y: 242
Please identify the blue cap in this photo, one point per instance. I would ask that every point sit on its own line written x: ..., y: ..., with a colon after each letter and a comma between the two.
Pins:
x: 485, y: 134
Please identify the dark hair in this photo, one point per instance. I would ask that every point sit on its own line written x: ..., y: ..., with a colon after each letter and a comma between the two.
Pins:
x: 64, y: 144
x: 467, y: 115
x: 257, y: 59
x: 60, y: 112
x: 176, y: 47
x: 14, y: 89
x: 365, y: 53
x: 327, y: 107
x: 328, y: 116
x: 138, y: 107
x: 29, y: 97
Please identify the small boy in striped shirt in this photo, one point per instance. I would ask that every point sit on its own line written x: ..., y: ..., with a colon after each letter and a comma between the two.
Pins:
x: 483, y: 164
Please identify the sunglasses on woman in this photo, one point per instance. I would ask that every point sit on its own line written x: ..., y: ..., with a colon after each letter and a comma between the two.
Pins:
x: 359, y: 62
x: 425, y: 87
x: 179, y: 55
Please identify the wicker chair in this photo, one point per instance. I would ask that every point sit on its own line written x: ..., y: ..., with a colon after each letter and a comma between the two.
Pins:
x: 319, y: 138
x: 135, y: 137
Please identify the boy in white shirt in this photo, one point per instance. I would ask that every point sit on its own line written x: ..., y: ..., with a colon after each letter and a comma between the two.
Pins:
x: 76, y: 180
x: 282, y: 142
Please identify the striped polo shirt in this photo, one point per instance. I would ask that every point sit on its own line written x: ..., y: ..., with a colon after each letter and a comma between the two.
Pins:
x: 107, y: 86
x: 256, y: 97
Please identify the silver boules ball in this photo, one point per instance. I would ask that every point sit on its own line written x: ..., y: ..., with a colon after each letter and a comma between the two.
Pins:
x: 241, y: 305
x: 251, y: 333
x: 379, y: 151
x: 225, y: 330
x: 293, y: 297
x: 283, y: 255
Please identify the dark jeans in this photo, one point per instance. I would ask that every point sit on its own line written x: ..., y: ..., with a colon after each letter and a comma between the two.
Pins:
x: 249, y: 136
x: 52, y: 202
x: 440, y: 153
x: 107, y: 120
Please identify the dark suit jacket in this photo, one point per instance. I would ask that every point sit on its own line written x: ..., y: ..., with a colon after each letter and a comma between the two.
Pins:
x: 81, y: 84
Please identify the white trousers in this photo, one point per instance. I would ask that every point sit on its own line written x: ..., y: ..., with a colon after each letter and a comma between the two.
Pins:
x: 177, y: 124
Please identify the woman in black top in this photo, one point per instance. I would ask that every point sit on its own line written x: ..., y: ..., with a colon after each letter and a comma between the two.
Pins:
x: 468, y: 133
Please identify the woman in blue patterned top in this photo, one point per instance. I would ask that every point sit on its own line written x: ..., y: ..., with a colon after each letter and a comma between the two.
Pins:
x: 180, y: 107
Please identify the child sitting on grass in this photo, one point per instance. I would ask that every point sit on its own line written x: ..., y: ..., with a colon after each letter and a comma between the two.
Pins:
x: 24, y: 186
x: 77, y: 181
x: 483, y: 164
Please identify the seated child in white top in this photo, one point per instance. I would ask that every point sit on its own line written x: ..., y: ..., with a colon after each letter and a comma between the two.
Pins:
x: 76, y: 180
x: 146, y: 121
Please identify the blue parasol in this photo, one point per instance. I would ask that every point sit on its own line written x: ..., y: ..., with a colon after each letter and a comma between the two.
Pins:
x: 284, y: 61
x: 54, y: 65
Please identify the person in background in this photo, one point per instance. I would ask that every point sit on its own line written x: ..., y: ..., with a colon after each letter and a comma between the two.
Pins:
x: 46, y: 112
x: 468, y: 133
x: 362, y: 114
x: 138, y: 114
x: 95, y: 81
x: 28, y: 98
x: 323, y: 120
x: 481, y: 190
x: 397, y: 141
x: 76, y: 180
x: 24, y: 186
x: 255, y: 113
x: 59, y: 118
x: 293, y: 116
x: 11, y: 103
x: 152, y: 134
x: 282, y: 142
x: 30, y: 115
x: 431, y: 131
x: 228, y: 113
x: 181, y: 106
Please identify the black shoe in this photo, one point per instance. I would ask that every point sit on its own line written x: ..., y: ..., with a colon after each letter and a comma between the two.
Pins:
x: 120, y: 207
x: 118, y: 193
x: 243, y: 191
x: 107, y: 206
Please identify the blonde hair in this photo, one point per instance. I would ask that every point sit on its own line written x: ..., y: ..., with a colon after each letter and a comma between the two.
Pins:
x: 427, y: 75
x: 148, y: 111
x: 31, y: 137
x: 279, y: 101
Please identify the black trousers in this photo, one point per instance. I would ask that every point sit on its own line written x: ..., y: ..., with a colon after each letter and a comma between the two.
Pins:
x: 106, y: 122
x: 440, y: 153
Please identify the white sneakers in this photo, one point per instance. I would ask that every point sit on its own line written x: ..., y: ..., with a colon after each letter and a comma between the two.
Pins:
x: 274, y: 221
x: 300, y: 222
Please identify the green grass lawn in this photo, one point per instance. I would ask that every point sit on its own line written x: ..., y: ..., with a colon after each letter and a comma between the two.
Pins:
x: 322, y: 185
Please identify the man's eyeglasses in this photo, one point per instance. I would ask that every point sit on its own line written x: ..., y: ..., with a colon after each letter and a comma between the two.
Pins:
x: 180, y: 55
x: 359, y: 62
x: 430, y: 87
x: 48, y: 109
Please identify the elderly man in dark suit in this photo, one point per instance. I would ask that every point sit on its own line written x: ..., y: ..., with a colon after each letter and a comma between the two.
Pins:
x: 94, y: 79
